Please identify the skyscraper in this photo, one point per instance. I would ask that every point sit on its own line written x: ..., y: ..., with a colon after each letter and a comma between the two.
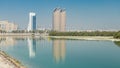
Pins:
x: 56, y: 19
x: 59, y: 20
x: 32, y: 21
x: 63, y: 20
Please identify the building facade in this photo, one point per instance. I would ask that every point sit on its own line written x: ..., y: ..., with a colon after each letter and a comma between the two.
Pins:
x: 59, y: 20
x: 32, y: 22
x: 7, y: 26
x: 56, y: 19
x: 63, y: 21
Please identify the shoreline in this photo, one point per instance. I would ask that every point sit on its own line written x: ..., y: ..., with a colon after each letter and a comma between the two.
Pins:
x: 9, y: 62
x: 23, y: 34
x: 37, y: 35
x: 104, y: 38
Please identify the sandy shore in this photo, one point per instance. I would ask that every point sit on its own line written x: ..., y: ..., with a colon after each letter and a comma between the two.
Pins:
x: 8, y: 62
x: 108, y: 38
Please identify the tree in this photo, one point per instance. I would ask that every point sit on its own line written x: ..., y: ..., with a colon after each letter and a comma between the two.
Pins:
x: 117, y: 35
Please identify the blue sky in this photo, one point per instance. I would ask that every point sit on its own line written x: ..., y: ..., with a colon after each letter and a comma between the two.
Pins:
x: 81, y: 14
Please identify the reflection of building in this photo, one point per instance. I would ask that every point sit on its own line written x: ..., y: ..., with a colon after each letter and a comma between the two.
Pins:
x: 32, y: 21
x: 7, y: 26
x: 7, y: 41
x: 32, y: 47
x: 59, y: 20
x: 59, y: 50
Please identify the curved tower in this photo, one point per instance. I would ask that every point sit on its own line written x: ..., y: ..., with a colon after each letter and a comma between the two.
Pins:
x: 32, y: 21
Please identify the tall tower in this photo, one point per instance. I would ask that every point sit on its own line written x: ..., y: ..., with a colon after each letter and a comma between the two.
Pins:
x: 59, y: 20
x: 63, y: 20
x: 32, y: 21
x: 56, y: 19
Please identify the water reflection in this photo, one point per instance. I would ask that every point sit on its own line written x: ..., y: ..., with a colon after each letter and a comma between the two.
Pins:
x: 32, y: 47
x: 117, y: 43
x: 7, y: 41
x: 59, y: 50
x: 59, y: 46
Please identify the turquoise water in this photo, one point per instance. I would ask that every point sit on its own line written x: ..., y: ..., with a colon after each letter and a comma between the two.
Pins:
x: 46, y: 53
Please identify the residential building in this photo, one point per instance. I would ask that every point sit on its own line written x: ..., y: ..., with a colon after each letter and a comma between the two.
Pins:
x: 8, y: 26
x: 63, y: 20
x: 59, y: 20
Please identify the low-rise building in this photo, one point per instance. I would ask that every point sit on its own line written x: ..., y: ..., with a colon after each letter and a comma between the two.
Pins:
x: 8, y: 26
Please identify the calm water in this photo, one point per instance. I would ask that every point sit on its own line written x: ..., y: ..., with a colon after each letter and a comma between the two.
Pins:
x: 46, y: 53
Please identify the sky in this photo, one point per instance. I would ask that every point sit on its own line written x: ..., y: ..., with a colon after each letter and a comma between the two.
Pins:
x: 81, y: 14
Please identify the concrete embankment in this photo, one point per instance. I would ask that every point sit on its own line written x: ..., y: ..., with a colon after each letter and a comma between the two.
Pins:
x: 8, y: 62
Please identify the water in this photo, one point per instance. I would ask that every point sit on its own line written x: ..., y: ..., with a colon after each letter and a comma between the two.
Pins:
x: 47, y: 53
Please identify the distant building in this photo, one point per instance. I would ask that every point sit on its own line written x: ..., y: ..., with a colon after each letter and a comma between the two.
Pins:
x: 7, y: 26
x: 32, y: 21
x: 59, y: 20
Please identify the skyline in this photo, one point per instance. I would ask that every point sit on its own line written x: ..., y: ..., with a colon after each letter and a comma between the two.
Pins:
x: 81, y: 14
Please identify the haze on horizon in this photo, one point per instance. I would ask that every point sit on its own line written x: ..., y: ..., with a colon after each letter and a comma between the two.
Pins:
x: 81, y: 14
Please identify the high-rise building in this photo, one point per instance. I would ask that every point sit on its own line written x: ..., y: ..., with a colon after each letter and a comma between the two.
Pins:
x: 56, y: 19
x: 63, y: 20
x: 59, y: 20
x: 32, y: 21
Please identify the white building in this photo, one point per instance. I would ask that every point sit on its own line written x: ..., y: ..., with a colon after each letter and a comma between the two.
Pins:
x: 32, y: 21
x: 8, y: 26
